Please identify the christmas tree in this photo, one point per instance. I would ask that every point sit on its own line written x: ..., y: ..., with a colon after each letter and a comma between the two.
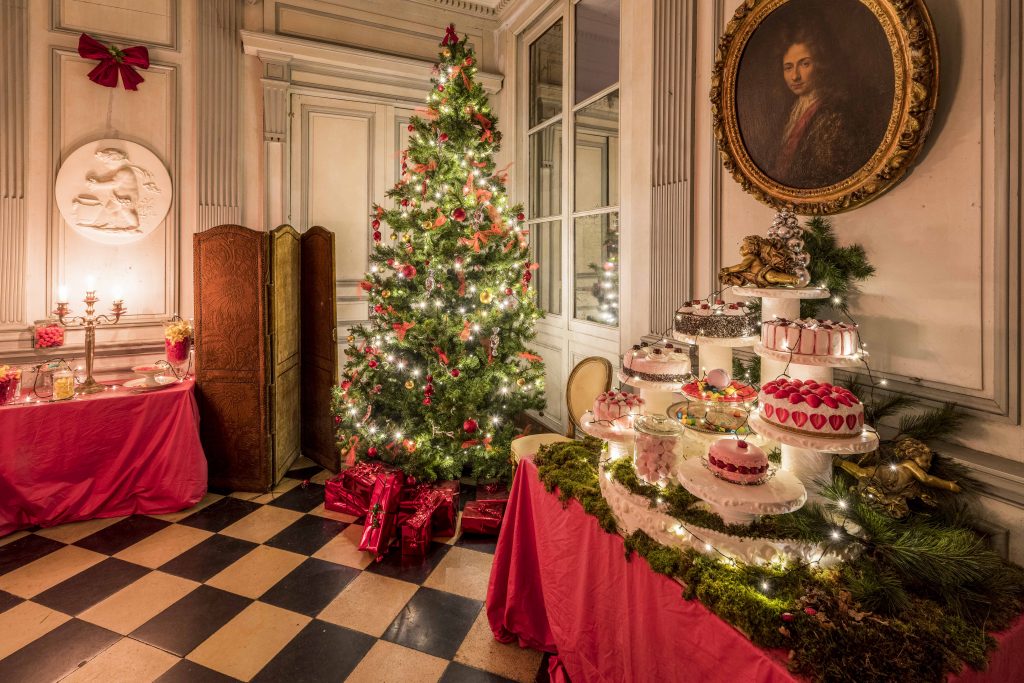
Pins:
x: 436, y: 377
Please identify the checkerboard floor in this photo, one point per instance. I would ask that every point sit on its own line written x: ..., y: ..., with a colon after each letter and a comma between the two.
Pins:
x: 260, y: 587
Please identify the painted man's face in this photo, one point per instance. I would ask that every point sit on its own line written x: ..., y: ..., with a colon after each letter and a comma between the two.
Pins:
x: 798, y: 69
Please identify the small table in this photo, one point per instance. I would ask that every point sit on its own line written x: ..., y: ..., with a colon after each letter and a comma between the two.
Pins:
x: 104, y: 455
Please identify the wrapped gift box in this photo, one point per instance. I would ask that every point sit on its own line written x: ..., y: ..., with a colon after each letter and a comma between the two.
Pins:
x: 417, y: 529
x: 381, y: 519
x: 486, y: 492
x: 349, y: 491
x: 483, y: 516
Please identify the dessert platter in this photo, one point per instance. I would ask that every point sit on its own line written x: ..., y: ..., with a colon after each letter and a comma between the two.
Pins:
x: 713, y: 420
x: 728, y: 391
x: 151, y: 379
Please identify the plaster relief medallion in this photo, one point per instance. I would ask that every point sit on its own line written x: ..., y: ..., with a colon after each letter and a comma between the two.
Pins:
x: 113, y: 191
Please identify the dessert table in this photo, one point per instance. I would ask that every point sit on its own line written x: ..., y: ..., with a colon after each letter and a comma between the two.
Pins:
x: 104, y: 455
x: 562, y: 585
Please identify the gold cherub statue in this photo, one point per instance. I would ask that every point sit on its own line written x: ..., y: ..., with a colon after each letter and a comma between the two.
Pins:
x: 765, y: 264
x: 900, y: 475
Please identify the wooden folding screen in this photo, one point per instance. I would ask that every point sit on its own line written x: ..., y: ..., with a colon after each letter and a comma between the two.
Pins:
x: 259, y: 341
x: 319, y: 346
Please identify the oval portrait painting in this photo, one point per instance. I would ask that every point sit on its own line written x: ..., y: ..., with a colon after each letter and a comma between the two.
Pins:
x: 821, y: 106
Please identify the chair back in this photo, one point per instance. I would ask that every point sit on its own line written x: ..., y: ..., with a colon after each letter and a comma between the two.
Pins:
x: 590, y: 377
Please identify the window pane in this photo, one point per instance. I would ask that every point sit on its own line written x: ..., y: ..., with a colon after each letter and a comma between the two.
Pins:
x: 546, y: 251
x: 597, y: 46
x: 596, y: 264
x: 546, y: 75
x: 597, y: 154
x: 546, y: 172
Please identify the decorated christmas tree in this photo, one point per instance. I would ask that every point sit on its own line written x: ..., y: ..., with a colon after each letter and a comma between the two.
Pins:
x: 436, y: 377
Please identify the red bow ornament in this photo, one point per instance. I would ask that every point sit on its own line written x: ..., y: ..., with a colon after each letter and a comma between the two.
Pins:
x: 114, y: 61
x: 450, y: 36
x: 401, y: 329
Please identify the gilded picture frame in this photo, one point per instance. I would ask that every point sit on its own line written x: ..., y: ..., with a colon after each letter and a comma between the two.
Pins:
x: 819, y: 107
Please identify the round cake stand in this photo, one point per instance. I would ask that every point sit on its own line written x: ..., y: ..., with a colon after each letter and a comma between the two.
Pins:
x: 810, y: 457
x: 657, y: 396
x: 715, y: 352
x: 737, y: 504
x: 618, y: 438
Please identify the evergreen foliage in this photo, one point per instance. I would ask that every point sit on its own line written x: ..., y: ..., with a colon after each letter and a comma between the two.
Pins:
x: 434, y: 380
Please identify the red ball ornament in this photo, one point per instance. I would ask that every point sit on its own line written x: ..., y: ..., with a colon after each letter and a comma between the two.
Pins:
x: 440, y: 88
x: 378, y: 308
x: 376, y: 236
x: 375, y: 223
x: 428, y: 390
x: 372, y: 363
x: 430, y: 379
x: 455, y: 372
x: 520, y: 216
x: 408, y: 271
x: 405, y: 202
x: 470, y: 426
x: 443, y: 137
x: 426, y: 401
x: 371, y: 452
x: 391, y: 263
x: 508, y: 291
x: 459, y: 214
x: 527, y: 276
x: 411, y: 128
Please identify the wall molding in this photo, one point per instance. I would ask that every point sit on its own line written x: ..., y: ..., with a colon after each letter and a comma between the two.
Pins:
x: 13, y: 102
x: 58, y: 25
x: 218, y: 114
x: 371, y: 68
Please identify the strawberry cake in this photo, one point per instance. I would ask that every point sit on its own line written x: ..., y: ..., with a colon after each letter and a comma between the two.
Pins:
x: 810, y: 337
x: 668, y: 363
x: 612, y: 405
x: 809, y: 407
x: 719, y: 319
x: 738, y: 461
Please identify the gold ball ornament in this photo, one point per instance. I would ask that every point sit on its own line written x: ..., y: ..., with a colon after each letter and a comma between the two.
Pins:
x: 386, y: 293
x: 485, y: 297
x: 521, y: 382
x: 410, y: 384
x: 351, y: 339
x: 394, y: 236
x: 407, y: 237
x: 446, y: 52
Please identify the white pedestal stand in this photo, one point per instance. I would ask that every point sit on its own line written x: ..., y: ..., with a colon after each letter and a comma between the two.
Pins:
x: 619, y: 437
x: 657, y: 396
x: 715, y: 352
x: 808, y: 458
x: 737, y: 504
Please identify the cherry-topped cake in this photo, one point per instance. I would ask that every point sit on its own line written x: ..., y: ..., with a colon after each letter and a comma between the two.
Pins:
x: 612, y: 405
x: 810, y: 407
x: 738, y: 461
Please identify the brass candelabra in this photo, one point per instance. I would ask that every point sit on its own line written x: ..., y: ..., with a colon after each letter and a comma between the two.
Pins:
x: 89, y: 321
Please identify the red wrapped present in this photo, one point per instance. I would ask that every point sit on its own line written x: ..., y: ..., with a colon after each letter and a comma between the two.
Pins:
x: 492, y: 492
x: 349, y: 491
x: 416, y: 532
x: 446, y: 514
x: 381, y: 518
x: 483, y: 516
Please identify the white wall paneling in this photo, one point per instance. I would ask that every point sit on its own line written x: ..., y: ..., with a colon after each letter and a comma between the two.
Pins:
x: 13, y: 76
x: 218, y: 113
x: 153, y: 22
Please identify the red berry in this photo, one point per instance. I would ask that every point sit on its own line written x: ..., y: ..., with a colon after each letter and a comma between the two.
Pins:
x: 443, y: 137
x: 411, y: 128
x: 508, y: 291
x: 520, y: 216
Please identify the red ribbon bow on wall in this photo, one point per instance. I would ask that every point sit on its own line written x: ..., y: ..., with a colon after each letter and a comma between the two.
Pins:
x: 114, y: 61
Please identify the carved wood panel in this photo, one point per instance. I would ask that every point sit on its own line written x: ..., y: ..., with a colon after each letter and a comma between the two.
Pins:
x: 319, y: 347
x: 283, y: 296
x: 231, y: 372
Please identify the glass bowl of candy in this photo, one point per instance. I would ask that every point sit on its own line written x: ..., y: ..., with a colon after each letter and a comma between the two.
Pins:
x: 654, y: 447
x: 178, y: 342
x: 47, y: 334
x: 10, y: 384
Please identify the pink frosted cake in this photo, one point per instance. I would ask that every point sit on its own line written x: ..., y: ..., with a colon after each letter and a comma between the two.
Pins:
x: 738, y: 461
x: 668, y: 363
x: 612, y: 405
x: 818, y: 409
x: 810, y: 337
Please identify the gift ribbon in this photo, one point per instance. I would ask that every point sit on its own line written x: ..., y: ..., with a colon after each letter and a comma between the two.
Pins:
x: 486, y: 443
x: 465, y: 334
x: 114, y: 61
x: 532, y: 357
x: 441, y: 355
x: 450, y: 36
x: 479, y: 238
x: 462, y: 283
x: 401, y: 329
x: 350, y: 457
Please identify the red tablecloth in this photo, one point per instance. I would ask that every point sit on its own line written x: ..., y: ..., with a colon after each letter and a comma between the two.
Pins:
x: 560, y: 584
x: 105, y: 455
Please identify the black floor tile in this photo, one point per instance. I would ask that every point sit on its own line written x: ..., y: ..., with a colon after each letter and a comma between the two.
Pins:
x: 85, y: 589
x: 304, y: 473
x: 184, y: 625
x: 310, y: 586
x: 220, y: 515
x: 202, y: 561
x: 7, y: 601
x: 117, y: 537
x: 413, y: 570
x: 467, y: 492
x: 300, y: 498
x: 307, y: 534
x: 190, y: 672
x: 26, y: 549
x: 460, y: 673
x: 320, y: 652
x: 484, y: 544
x: 57, y: 654
x: 434, y: 622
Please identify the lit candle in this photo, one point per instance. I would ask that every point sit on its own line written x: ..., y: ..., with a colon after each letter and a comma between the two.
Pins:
x: 62, y: 294
x: 90, y: 283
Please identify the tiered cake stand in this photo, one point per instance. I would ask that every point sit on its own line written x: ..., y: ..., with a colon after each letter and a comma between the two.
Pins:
x: 618, y: 437
x: 807, y: 457
x: 657, y: 396
x: 715, y: 352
